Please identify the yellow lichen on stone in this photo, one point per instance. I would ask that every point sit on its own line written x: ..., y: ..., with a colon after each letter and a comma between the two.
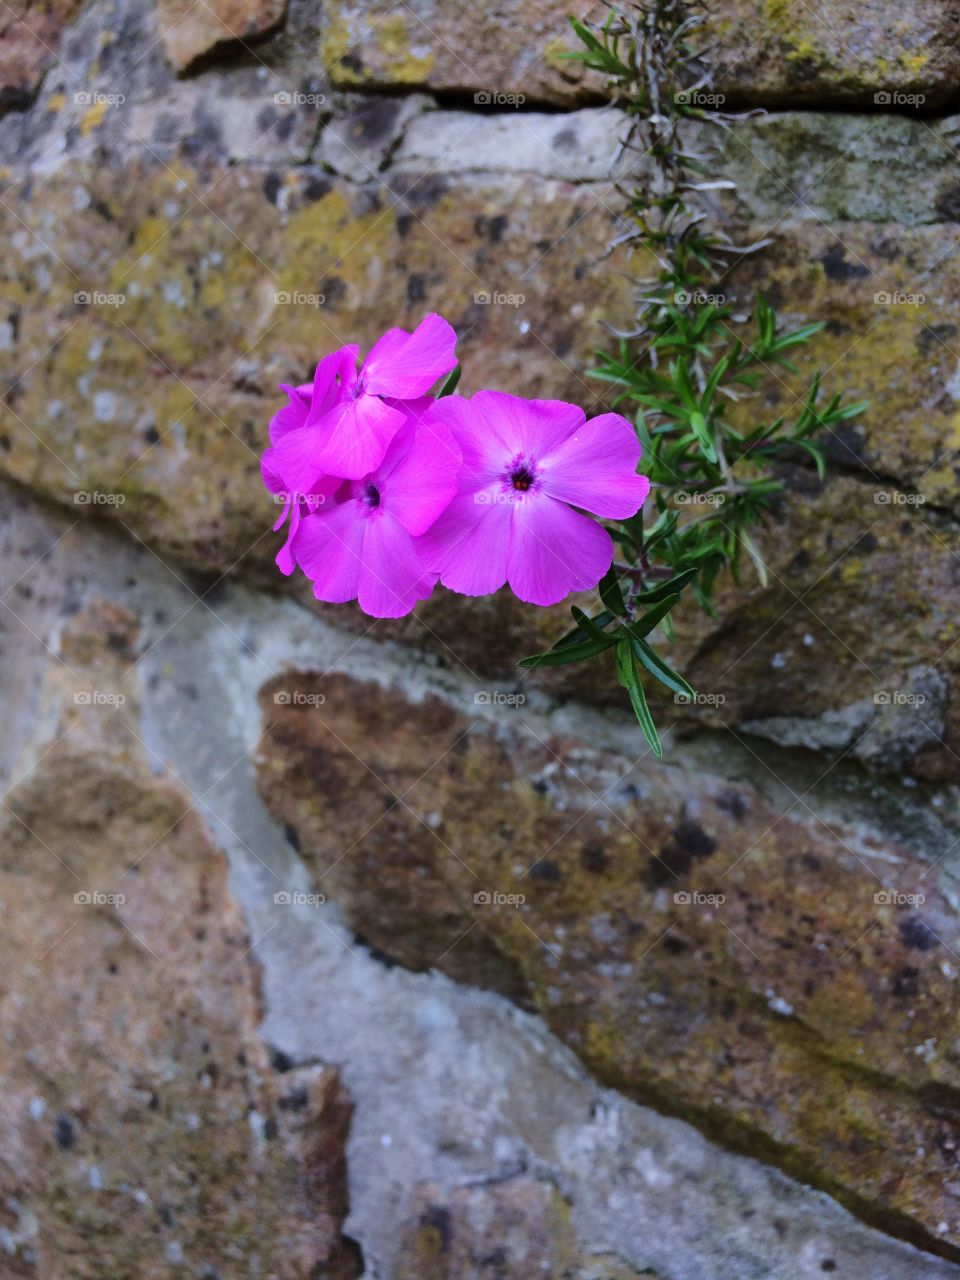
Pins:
x: 401, y: 64
x: 914, y: 61
x: 386, y: 40
x: 324, y: 238
x: 93, y: 118
x: 805, y: 51
x: 334, y: 44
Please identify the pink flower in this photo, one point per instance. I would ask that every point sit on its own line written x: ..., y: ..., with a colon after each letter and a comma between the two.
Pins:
x: 368, y: 546
x: 526, y: 465
x: 287, y: 421
x: 353, y: 417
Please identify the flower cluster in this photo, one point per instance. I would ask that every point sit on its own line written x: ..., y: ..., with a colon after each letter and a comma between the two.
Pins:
x: 389, y: 491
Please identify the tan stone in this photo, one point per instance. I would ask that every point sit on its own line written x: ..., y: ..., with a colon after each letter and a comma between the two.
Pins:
x: 170, y: 410
x: 767, y: 52
x: 775, y: 53
x: 145, y: 1129
x: 519, y: 1226
x: 499, y: 54
x: 798, y: 1015
x: 29, y: 39
x: 190, y: 30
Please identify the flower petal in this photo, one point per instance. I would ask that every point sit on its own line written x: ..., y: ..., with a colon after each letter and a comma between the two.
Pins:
x: 295, y: 457
x: 270, y: 471
x: 419, y: 474
x: 394, y: 576
x: 286, y: 561
x: 351, y: 439
x: 596, y: 468
x: 469, y: 543
x: 329, y: 549
x: 554, y: 551
x: 531, y: 427
x: 384, y: 347
x: 293, y: 414
x: 410, y: 368
x: 332, y: 380
x: 484, y: 451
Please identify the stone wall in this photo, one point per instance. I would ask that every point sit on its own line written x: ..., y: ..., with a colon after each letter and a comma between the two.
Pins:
x: 334, y: 949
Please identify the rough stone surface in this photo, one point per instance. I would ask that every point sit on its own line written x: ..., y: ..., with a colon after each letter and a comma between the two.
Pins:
x: 191, y: 30
x: 835, y: 167
x: 145, y: 1131
x: 764, y: 52
x: 179, y: 465
x: 455, y: 46
x: 158, y: 203
x: 876, y: 53
x: 789, y: 986
x: 460, y: 1100
x: 140, y: 291
x: 521, y: 1227
x: 29, y: 38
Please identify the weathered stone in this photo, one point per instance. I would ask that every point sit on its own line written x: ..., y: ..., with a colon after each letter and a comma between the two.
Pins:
x: 362, y: 140
x: 836, y: 167
x: 520, y: 1226
x: 887, y: 297
x: 155, y: 409
x: 190, y: 30
x: 146, y: 340
x: 850, y: 648
x: 771, y: 52
x: 145, y: 1131
x: 764, y: 52
x: 493, y: 1094
x: 577, y: 146
x: 786, y: 985
x: 504, y: 56
x: 29, y: 38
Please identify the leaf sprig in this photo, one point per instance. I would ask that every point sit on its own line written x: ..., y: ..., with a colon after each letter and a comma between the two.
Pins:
x: 685, y: 362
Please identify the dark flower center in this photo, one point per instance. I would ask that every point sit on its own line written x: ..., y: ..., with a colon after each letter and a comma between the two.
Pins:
x: 371, y: 496
x: 522, y: 478
x: 357, y: 390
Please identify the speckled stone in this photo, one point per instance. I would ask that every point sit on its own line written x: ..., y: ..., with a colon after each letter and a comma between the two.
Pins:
x: 789, y: 986
x: 146, y: 1132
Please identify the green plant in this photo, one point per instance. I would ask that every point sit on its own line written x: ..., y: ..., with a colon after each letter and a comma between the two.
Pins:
x: 685, y: 362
